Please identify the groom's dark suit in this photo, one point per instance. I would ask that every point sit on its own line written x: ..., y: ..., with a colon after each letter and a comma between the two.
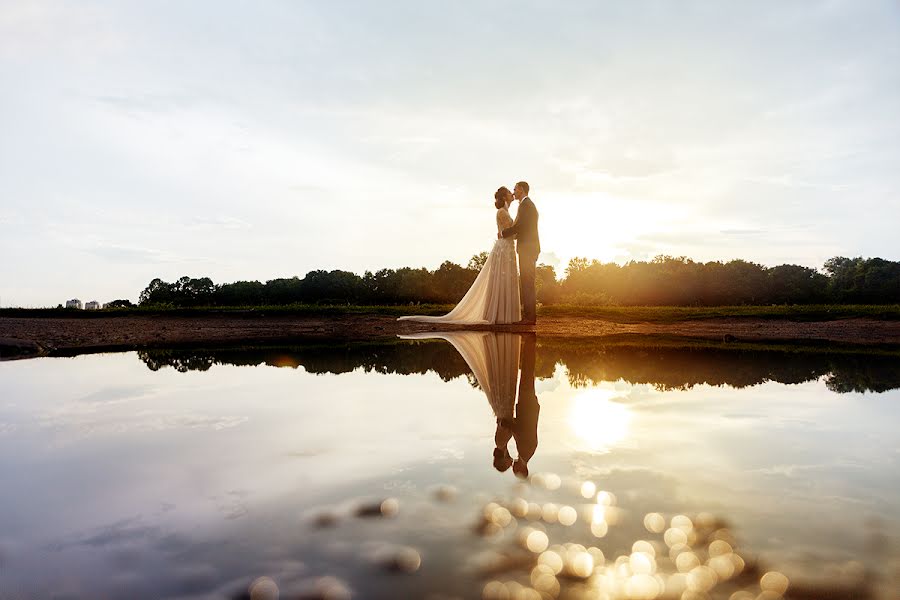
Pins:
x: 528, y: 246
x: 525, y: 423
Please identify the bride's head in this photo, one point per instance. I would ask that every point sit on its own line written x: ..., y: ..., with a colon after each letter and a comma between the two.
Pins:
x: 503, y: 197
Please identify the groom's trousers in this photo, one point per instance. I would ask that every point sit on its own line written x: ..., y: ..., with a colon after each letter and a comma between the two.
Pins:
x: 527, y: 264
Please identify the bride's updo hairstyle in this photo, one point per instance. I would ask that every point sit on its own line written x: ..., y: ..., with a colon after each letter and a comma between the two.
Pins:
x: 500, y: 197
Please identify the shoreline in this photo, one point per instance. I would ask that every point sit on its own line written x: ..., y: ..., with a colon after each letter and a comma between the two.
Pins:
x: 38, y: 336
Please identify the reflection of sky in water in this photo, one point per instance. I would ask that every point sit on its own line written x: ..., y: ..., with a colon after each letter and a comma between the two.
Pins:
x: 120, y: 478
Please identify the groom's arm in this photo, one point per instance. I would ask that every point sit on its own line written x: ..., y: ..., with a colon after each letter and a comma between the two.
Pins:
x: 514, y: 228
x: 511, y: 230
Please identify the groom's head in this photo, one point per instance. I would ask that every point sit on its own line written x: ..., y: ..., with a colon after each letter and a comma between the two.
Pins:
x: 521, y: 190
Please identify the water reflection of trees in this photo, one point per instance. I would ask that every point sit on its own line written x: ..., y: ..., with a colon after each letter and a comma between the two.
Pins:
x: 587, y: 363
x: 683, y: 368
x: 400, y: 358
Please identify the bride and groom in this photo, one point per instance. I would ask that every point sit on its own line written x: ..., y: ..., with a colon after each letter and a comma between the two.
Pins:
x: 501, y: 286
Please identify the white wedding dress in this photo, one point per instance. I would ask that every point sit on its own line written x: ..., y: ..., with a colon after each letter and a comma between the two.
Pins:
x: 493, y: 359
x: 494, y: 296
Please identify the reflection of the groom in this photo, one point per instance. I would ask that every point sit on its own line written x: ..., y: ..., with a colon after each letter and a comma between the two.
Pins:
x: 495, y: 360
x: 525, y: 422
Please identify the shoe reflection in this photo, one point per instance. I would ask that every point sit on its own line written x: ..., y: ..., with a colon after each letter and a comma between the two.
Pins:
x: 497, y: 360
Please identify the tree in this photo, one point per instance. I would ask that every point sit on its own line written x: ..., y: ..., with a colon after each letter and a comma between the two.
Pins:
x: 157, y: 292
x: 872, y: 280
x: 476, y: 263
x: 451, y: 282
x: 120, y: 304
x: 282, y: 291
x: 547, y: 288
x: 240, y: 293
x: 196, y: 292
x: 577, y: 265
x: 794, y: 284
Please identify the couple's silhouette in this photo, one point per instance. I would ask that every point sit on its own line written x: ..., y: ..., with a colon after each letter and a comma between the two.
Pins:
x: 504, y: 290
x: 497, y: 360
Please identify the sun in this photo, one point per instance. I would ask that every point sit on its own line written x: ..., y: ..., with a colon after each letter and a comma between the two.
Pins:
x: 597, y: 421
x: 596, y: 225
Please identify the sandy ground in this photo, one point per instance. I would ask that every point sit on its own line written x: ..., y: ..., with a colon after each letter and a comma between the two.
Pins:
x: 37, y: 336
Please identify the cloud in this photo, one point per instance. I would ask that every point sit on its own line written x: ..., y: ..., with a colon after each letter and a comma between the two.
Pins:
x: 130, y: 255
x: 114, y: 395
x: 147, y: 103
x: 742, y: 231
x: 119, y: 532
x: 223, y: 222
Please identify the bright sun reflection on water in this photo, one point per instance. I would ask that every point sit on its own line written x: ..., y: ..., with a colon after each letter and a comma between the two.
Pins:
x: 597, y: 420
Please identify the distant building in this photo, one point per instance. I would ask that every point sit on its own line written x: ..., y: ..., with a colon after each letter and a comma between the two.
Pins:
x: 75, y: 303
x: 93, y: 305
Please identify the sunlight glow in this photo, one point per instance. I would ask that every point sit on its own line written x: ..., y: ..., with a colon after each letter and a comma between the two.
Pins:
x: 597, y: 420
x: 606, y: 226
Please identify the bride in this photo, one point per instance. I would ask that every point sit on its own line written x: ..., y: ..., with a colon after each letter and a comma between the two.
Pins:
x: 494, y: 296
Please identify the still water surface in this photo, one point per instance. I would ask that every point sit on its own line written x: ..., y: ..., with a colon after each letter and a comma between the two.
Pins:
x: 390, y: 471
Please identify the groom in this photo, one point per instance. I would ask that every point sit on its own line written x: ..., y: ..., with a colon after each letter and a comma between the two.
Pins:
x: 528, y: 246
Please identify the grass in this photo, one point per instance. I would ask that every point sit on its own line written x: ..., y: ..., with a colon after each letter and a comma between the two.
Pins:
x: 671, y: 314
x: 618, y: 314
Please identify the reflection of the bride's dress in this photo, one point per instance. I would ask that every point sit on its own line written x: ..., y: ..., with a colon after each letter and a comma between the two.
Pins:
x: 495, y: 360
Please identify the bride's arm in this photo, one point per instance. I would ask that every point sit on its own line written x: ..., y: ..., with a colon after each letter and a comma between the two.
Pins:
x: 503, y: 220
x: 513, y: 229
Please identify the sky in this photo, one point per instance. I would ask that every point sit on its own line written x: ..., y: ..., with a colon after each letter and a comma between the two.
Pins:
x: 255, y: 140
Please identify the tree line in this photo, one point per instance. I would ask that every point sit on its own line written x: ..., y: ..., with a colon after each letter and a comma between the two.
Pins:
x: 663, y: 281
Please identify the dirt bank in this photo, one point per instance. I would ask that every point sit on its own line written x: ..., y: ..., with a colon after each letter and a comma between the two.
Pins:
x: 21, y: 337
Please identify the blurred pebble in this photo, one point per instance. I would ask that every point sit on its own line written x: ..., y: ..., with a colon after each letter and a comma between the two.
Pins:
x: 550, y: 512
x: 686, y: 562
x: 534, y: 540
x: 444, y: 493
x: 567, y: 516
x: 401, y: 560
x: 643, y: 546
x: 654, y: 523
x: 519, y: 507
x: 487, y: 528
x: 683, y: 523
x: 263, y: 588
x: 701, y: 579
x: 606, y: 498
x: 719, y: 547
x: 327, y: 588
x: 494, y: 590
x: 324, y: 520
x: 588, y: 489
x: 385, y: 508
x: 774, y: 582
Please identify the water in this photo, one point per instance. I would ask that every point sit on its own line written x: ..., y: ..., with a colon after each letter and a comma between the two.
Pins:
x: 370, y: 471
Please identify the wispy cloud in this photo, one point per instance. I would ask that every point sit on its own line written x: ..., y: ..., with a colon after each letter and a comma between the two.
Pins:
x: 126, y: 254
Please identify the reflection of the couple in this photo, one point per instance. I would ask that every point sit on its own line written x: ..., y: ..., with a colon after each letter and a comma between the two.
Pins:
x: 495, y: 360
